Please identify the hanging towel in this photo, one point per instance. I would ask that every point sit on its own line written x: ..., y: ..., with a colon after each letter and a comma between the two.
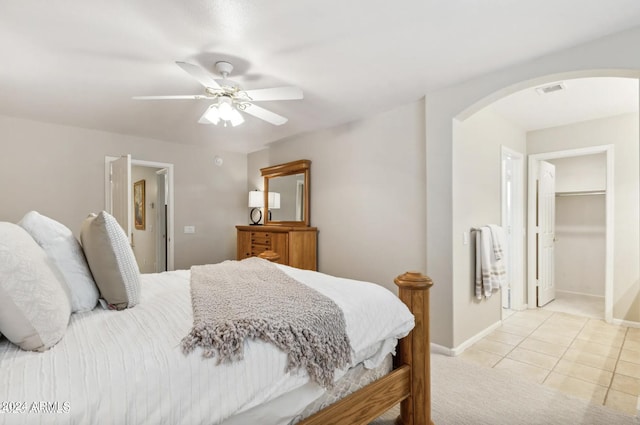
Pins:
x: 486, y: 250
x: 497, y: 240
x: 490, y: 270
x: 478, y: 265
x: 498, y: 270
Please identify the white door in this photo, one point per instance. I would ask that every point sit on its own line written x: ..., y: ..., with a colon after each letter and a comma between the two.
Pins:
x: 120, y: 206
x: 546, y: 232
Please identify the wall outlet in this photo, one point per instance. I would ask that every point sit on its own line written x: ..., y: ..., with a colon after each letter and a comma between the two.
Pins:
x: 189, y: 229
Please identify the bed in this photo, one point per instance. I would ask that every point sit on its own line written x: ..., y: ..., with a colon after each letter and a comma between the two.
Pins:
x: 128, y: 366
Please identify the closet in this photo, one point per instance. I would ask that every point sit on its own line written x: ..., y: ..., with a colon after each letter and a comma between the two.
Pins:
x: 580, y: 234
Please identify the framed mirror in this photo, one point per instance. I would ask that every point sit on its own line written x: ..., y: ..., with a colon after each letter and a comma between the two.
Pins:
x: 286, y: 193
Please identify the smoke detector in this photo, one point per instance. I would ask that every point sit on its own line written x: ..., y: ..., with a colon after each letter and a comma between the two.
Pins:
x: 551, y: 88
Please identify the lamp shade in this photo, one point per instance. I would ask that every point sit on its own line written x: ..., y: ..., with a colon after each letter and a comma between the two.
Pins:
x: 256, y: 199
x: 235, y: 118
x: 224, y: 108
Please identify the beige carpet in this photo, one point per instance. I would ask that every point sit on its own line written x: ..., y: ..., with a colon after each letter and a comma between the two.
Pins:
x: 463, y: 393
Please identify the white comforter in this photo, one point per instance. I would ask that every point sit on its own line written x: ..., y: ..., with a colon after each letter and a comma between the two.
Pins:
x: 126, y: 367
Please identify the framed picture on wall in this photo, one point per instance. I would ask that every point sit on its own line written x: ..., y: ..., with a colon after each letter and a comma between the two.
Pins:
x: 138, y: 205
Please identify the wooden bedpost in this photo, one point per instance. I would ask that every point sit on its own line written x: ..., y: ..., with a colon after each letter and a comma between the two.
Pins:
x: 415, y: 349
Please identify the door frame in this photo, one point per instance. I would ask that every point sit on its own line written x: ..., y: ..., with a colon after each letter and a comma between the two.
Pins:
x: 608, y: 150
x: 170, y: 198
x: 162, y: 244
x: 517, y: 276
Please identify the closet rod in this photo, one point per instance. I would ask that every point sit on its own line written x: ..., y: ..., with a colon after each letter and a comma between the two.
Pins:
x: 582, y: 193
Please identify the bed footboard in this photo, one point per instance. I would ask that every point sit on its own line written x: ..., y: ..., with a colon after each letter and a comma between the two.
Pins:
x: 414, y: 350
x: 410, y: 381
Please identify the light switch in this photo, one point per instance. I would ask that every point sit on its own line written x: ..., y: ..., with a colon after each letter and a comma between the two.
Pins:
x: 465, y: 238
x: 189, y: 229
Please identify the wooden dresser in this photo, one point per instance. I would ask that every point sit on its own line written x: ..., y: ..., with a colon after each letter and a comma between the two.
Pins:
x: 296, y: 245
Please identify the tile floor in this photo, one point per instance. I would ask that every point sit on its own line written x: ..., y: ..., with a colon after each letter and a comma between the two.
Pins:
x: 578, y: 304
x: 578, y: 355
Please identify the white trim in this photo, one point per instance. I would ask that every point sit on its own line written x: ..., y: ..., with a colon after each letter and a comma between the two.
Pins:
x: 170, y: 198
x: 578, y: 293
x: 456, y: 351
x: 627, y: 323
x: 531, y: 231
x: 516, y: 291
x: 610, y: 208
x: 440, y: 349
x: 610, y: 220
x: 160, y: 250
x: 107, y: 181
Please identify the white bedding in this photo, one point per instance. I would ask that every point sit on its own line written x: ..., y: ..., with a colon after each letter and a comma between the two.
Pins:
x: 127, y: 366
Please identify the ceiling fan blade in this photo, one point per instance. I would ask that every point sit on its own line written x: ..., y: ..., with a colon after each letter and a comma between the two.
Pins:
x: 199, y: 74
x: 178, y: 97
x: 275, y: 93
x: 264, y: 114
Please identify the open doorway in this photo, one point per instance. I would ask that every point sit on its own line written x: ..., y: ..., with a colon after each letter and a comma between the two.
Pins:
x: 583, y: 229
x: 586, y: 113
x: 150, y: 234
x: 533, y: 124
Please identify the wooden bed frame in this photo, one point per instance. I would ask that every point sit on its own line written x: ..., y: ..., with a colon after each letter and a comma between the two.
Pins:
x: 409, y: 383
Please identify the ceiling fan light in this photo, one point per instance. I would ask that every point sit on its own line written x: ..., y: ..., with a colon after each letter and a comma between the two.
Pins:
x: 213, y: 115
x: 236, y: 118
x: 225, y: 108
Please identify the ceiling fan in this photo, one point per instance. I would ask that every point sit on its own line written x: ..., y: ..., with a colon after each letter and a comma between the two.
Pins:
x: 229, y: 98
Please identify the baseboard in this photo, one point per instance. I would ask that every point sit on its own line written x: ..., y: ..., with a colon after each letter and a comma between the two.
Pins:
x: 521, y: 307
x: 627, y: 323
x: 579, y: 293
x: 456, y: 351
x: 440, y: 349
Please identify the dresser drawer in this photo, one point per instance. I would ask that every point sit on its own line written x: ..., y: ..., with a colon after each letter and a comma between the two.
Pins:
x: 258, y: 249
x: 261, y: 238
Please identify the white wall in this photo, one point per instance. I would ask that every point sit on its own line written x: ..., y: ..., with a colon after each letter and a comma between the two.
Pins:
x: 477, y: 202
x: 622, y: 132
x: 615, y: 55
x: 59, y: 171
x: 580, y: 173
x: 580, y: 244
x: 367, y: 193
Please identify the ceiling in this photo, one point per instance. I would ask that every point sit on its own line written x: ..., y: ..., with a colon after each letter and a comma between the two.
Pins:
x: 580, y: 99
x: 79, y: 63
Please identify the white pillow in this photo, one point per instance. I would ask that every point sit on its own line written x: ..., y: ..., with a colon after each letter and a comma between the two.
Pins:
x: 65, y: 251
x: 111, y: 260
x: 34, y: 302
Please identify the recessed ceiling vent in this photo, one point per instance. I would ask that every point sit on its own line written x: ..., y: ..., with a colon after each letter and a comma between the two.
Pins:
x: 555, y: 87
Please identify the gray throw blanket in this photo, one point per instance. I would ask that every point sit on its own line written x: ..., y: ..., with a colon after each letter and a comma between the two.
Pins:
x: 252, y: 298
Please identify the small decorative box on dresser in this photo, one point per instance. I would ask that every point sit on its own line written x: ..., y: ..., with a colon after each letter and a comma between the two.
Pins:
x: 296, y: 245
